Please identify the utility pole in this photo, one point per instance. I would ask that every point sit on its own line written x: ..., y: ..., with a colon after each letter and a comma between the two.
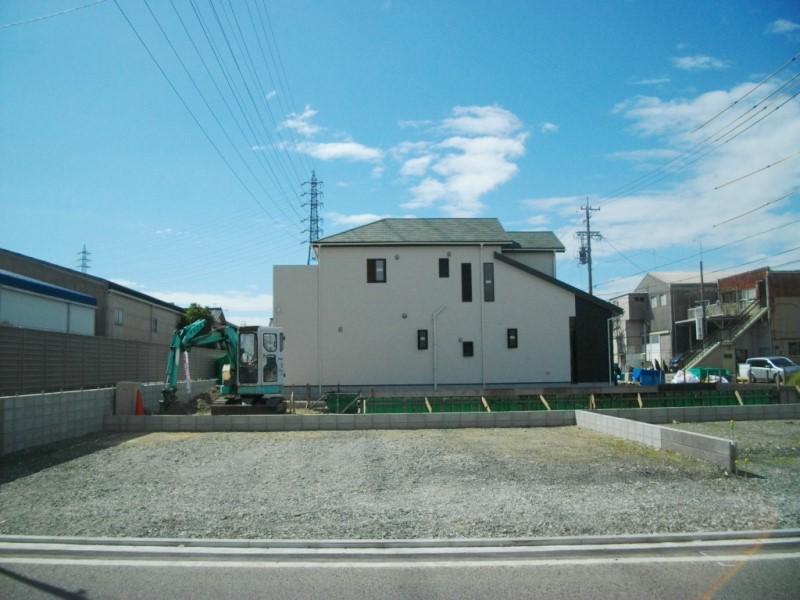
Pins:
x: 586, y: 236
x: 314, y: 220
x: 84, y: 260
x: 702, y: 300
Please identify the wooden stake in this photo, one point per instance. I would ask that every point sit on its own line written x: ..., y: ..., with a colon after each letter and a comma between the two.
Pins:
x: 544, y: 401
x: 592, y: 404
x: 291, y: 403
x: 428, y: 405
x: 639, y: 400
x: 486, y: 404
x: 738, y: 397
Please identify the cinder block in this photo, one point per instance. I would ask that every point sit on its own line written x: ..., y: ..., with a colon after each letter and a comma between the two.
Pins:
x: 240, y: 422
x: 275, y: 423
x: 380, y: 421
x: 327, y: 422
x: 345, y: 422
x: 151, y: 423
x: 188, y: 423
x: 205, y: 423
x: 468, y: 419
x: 789, y: 411
x: 397, y: 420
x: 309, y: 422
x: 222, y: 422
x: 293, y: 422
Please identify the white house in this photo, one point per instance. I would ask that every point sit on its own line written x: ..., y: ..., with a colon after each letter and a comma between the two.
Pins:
x: 438, y: 302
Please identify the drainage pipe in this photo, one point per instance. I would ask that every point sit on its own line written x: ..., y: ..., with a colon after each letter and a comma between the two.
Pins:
x: 435, y: 314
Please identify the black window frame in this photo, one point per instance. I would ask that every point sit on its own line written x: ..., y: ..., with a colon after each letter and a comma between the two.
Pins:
x: 466, y: 282
x: 512, y: 337
x: 488, y: 282
x: 372, y: 270
x: 444, y: 268
x: 467, y: 349
x: 422, y: 339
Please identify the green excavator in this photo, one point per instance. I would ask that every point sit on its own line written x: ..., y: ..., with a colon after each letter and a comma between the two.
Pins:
x: 252, y: 371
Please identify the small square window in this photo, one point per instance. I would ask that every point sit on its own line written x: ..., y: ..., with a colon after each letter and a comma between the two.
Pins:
x: 467, y: 349
x: 376, y: 270
x: 155, y: 325
x: 512, y: 339
x: 422, y: 339
x: 444, y: 267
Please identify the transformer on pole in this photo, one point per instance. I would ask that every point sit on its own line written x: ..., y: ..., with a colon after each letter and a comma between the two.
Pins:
x: 586, y: 237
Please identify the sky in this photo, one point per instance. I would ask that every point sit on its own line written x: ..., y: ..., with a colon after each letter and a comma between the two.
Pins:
x: 173, y: 137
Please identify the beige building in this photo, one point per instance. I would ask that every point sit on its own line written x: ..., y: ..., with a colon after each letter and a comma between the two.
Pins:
x: 438, y: 302
x: 120, y: 312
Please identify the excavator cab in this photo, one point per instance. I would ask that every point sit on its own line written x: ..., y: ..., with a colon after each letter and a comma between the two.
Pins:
x: 260, y: 365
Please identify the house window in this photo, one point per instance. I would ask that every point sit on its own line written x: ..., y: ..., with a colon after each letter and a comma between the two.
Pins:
x: 155, y: 325
x: 444, y: 267
x: 376, y: 270
x: 422, y: 339
x: 794, y: 348
x: 117, y: 316
x: 466, y: 282
x: 663, y: 300
x: 653, y: 301
x: 467, y: 349
x: 488, y: 282
x: 511, y: 335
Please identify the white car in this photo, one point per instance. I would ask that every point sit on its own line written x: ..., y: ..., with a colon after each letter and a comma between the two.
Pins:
x: 771, y: 368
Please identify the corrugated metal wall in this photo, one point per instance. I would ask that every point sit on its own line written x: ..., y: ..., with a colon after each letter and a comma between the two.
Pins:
x: 34, y: 361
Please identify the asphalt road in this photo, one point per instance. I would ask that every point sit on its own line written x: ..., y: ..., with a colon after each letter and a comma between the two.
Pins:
x: 681, y: 571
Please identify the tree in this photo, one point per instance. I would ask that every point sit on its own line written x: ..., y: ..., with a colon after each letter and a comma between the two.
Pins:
x: 195, y: 312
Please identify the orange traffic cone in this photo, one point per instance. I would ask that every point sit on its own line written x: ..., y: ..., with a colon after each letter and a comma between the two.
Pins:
x: 139, y: 410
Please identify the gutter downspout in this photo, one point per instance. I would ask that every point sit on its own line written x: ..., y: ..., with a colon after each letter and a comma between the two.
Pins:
x: 435, y: 314
x: 319, y: 340
x: 610, y: 350
x: 483, y: 301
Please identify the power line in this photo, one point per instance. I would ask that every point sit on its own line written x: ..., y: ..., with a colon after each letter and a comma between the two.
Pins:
x: 586, y: 237
x: 732, y: 181
x: 189, y: 110
x: 740, y: 98
x: 51, y: 15
x: 752, y: 210
x: 607, y: 241
x: 714, y: 249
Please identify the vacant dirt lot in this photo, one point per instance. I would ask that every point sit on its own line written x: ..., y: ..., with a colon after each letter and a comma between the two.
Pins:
x: 385, y: 484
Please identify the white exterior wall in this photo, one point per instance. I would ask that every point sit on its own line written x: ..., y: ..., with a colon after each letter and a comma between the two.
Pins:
x: 364, y: 339
x: 20, y: 308
x: 295, y: 309
x: 541, y: 261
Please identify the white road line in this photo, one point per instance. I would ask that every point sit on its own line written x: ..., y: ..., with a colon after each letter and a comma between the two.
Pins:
x: 401, y: 564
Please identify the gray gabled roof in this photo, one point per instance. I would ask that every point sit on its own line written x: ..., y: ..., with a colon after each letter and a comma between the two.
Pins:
x: 535, y: 240
x: 422, y: 231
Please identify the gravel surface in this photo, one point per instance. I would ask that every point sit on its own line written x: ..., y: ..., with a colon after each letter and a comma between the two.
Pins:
x: 382, y: 484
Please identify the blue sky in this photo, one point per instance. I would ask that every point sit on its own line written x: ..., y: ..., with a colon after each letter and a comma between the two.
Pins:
x: 515, y: 110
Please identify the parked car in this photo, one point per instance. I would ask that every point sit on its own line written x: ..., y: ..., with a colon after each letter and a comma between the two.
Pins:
x: 675, y: 362
x: 771, y: 368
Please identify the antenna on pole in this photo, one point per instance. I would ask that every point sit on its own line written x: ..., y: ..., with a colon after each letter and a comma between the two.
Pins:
x: 314, y: 194
x: 84, y: 260
x: 586, y: 236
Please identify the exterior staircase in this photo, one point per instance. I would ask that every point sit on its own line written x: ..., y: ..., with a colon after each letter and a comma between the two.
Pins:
x: 746, y: 319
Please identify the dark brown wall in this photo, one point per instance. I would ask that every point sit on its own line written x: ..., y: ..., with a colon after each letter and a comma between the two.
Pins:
x: 742, y: 281
x: 592, y: 349
x: 34, y: 361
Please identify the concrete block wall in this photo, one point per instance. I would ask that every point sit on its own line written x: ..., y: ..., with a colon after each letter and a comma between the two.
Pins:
x: 332, y: 422
x: 31, y: 420
x: 125, y: 402
x: 699, y: 414
x: 718, y: 451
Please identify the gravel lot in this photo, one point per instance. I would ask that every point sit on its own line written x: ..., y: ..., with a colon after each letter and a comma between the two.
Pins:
x: 390, y: 484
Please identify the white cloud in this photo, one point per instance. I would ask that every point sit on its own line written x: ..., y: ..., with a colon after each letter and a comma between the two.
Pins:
x: 685, y: 206
x: 482, y: 120
x: 699, y: 62
x: 301, y: 123
x: 352, y: 151
x: 377, y: 171
x: 353, y: 220
x: 414, y: 123
x: 782, y: 26
x: 548, y: 127
x: 233, y: 301
x: 124, y: 282
x: 460, y: 169
x: 652, y: 81
x: 416, y: 167
x: 645, y: 155
x: 271, y: 94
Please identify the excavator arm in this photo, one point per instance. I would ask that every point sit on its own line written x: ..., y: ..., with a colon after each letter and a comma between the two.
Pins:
x: 191, y: 336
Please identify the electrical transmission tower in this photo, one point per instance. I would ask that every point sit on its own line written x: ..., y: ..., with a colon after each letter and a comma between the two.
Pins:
x: 314, y: 194
x: 586, y: 236
x: 83, y: 259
